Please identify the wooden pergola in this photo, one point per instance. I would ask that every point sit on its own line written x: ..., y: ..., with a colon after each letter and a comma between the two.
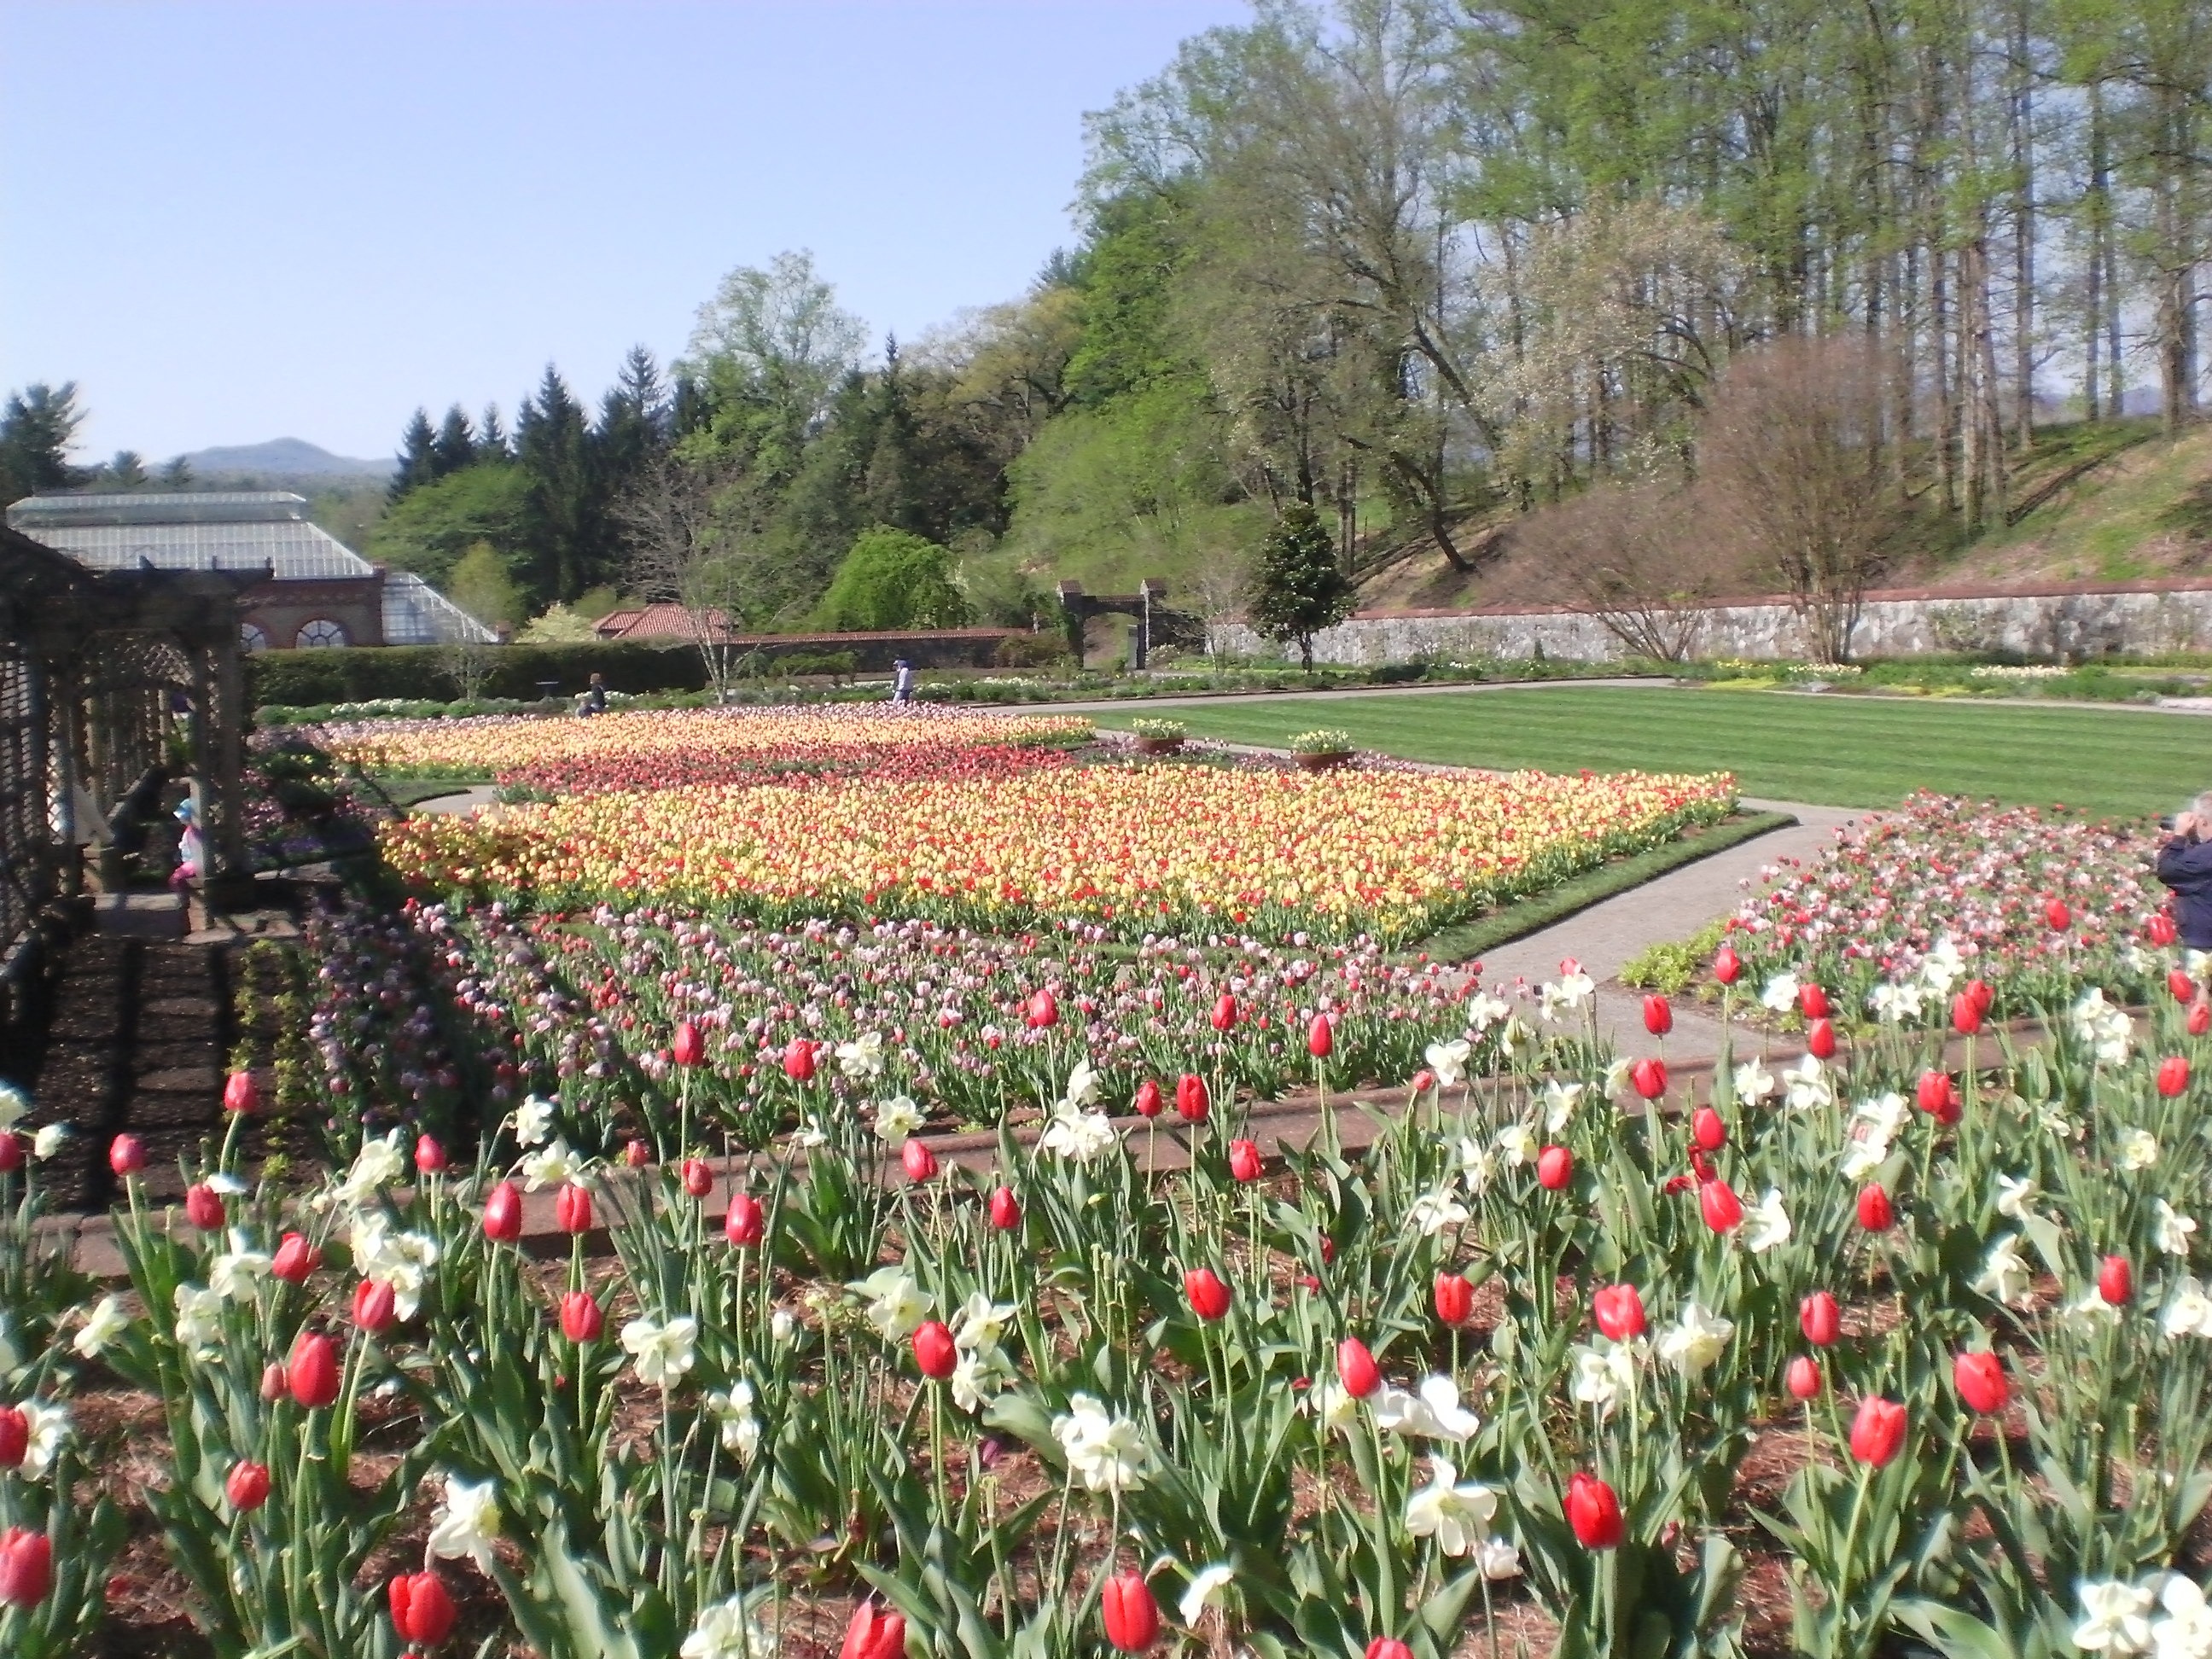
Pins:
x: 112, y: 682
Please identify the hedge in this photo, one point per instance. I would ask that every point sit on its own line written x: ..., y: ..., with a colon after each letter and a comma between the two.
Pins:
x: 513, y: 671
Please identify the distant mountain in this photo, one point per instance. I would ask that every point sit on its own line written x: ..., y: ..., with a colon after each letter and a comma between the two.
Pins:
x: 290, y: 458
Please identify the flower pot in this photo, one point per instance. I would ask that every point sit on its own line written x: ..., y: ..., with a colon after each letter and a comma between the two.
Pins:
x: 1158, y: 746
x: 1323, y: 760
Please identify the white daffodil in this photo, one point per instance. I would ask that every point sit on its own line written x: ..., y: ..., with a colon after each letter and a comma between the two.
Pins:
x: 1474, y: 1161
x: 725, y: 1632
x: 1895, y: 1005
x: 14, y: 1102
x: 1497, y: 1560
x: 897, y: 1306
x: 48, y: 1140
x: 375, y: 1166
x: 1516, y: 1145
x: 1107, y: 1453
x: 1334, y: 1407
x: 1943, y: 967
x: 740, y: 1429
x: 2016, y: 1197
x: 1079, y: 1137
x: 1576, y: 987
x: 49, y: 1425
x: 236, y: 1274
x: 1864, y: 1151
x: 1432, y: 1212
x: 2117, y: 1617
x: 1560, y: 1100
x: 783, y: 1328
x: 2004, y: 1276
x: 1779, y: 995
x: 2056, y: 1124
x: 1483, y: 1012
x: 862, y: 1058
x: 1431, y: 1411
x: 1448, y: 1060
x: 1082, y: 1087
x: 662, y: 1352
x: 1753, y: 1082
x: 1806, y: 1084
x: 978, y: 1375
x: 1616, y: 1076
x: 981, y: 1323
x: 1602, y: 1375
x: 402, y: 1261
x: 1456, y: 1516
x: 2184, y: 1630
x: 1884, y: 1114
x: 2102, y: 1028
x: 199, y: 1320
x: 1765, y: 1223
x: 1206, y: 1587
x: 2174, y: 1230
x: 533, y: 1120
x: 102, y: 1326
x: 895, y: 1120
x: 1695, y: 1339
x: 466, y: 1522
x: 2138, y: 1150
x: 2089, y: 1311
x: 2188, y: 1310
x: 556, y: 1166
x: 1515, y: 1034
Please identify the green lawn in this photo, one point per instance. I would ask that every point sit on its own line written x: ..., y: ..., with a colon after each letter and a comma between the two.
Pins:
x: 1836, y: 750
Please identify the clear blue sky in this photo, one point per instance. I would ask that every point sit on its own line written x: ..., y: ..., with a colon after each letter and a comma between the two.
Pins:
x: 233, y: 223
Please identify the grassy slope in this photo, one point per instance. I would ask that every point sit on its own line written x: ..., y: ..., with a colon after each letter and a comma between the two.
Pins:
x: 1785, y: 746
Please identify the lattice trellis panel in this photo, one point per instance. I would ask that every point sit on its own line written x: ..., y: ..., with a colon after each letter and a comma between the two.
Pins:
x: 26, y: 865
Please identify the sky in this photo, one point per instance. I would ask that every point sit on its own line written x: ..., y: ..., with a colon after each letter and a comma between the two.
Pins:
x: 228, y: 223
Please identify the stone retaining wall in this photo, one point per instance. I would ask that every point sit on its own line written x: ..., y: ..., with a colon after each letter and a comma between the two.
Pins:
x: 2087, y: 620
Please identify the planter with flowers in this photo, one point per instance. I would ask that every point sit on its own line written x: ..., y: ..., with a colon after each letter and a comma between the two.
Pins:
x: 1158, y: 737
x: 1322, y: 750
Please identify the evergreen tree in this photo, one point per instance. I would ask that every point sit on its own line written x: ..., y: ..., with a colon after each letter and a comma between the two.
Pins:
x: 551, y: 446
x: 37, y: 428
x: 126, y: 472
x: 178, y: 475
x: 492, y: 437
x: 455, y: 446
x: 418, y: 458
x: 1297, y: 589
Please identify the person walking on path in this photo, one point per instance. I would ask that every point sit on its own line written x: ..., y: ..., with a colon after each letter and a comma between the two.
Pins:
x: 2184, y: 864
x: 901, y: 680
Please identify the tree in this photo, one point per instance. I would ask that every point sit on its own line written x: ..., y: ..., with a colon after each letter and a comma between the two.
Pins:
x: 127, y: 470
x: 481, y: 586
x: 177, y: 474
x: 455, y: 446
x: 566, y: 531
x: 1641, y: 558
x: 431, y: 529
x: 417, y: 463
x: 776, y: 339
x: 892, y: 579
x: 37, y: 428
x: 1298, y: 588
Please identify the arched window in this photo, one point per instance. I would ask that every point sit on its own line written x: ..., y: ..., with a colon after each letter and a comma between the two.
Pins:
x: 251, y: 636
x: 321, y: 632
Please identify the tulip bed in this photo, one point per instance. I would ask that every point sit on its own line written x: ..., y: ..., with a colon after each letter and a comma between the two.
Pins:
x: 1904, y: 906
x: 1870, y: 1352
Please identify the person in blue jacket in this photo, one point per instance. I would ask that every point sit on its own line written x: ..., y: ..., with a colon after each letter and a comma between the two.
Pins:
x: 2184, y: 864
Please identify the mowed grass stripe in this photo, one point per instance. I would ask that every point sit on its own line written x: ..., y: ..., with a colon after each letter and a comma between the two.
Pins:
x: 1834, y: 751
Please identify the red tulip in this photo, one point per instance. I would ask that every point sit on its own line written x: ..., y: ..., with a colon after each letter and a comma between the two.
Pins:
x: 1595, y: 1513
x: 1191, y: 1102
x: 1321, y: 1037
x: 502, y: 1213
x: 1939, y: 1096
x: 1985, y: 997
x: 1455, y: 1299
x: 1658, y: 1016
x: 1244, y: 1160
x: 1648, y: 1077
x: 1728, y: 967
x: 1876, y: 1214
x: 1801, y: 1377
x: 11, y: 1151
x: 2162, y: 931
x: 373, y: 1309
x: 238, y: 1094
x: 2200, y: 1019
x: 1356, y: 1368
x: 275, y: 1385
x: 1005, y: 1210
x: 1821, y: 1039
x: 1148, y: 1098
x: 1980, y: 1380
x: 745, y: 1224
x: 15, y: 1437
x: 422, y: 1612
x: 429, y: 1156
x: 2058, y: 915
x: 933, y: 1351
x: 1389, y: 1646
x: 698, y: 1179
x: 312, y: 1375
x: 572, y: 1208
x: 1820, y: 1319
x: 2115, y: 1281
x: 1619, y: 1311
x: 1042, y: 1012
x: 920, y: 1163
x: 246, y: 1486
x: 1555, y: 1168
x: 1966, y: 1014
x: 799, y: 1060
x: 636, y: 1154
x: 1878, y: 1430
x: 2183, y: 987
x: 126, y: 1155
x: 1708, y: 1129
x: 1423, y: 1081
x: 690, y: 1047
x: 581, y: 1317
x: 203, y: 1208
x: 295, y: 1259
x: 1132, y: 1617
x: 1209, y: 1297
x: 2172, y: 1075
x: 1811, y: 1002
x: 1717, y: 1202
x: 27, y: 1567
x: 1225, y: 1011
x: 873, y: 1635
